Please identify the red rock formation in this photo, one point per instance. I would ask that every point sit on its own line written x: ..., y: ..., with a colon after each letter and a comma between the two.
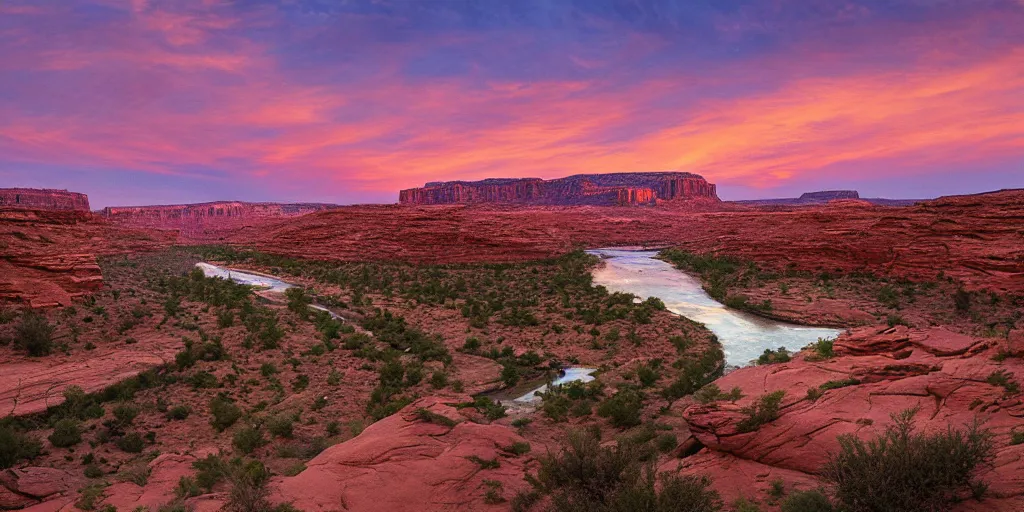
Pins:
x: 192, y: 219
x: 829, y: 195
x: 941, y: 373
x: 617, y: 189
x: 49, y: 257
x: 43, y: 199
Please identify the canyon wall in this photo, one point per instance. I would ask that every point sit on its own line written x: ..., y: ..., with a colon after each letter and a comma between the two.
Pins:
x: 616, y: 189
x: 195, y: 220
x: 43, y: 199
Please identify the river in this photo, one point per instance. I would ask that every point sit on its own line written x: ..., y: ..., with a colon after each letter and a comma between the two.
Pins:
x: 744, y: 336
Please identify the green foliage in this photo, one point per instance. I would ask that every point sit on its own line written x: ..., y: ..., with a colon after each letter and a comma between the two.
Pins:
x: 392, y: 329
x: 1005, y: 380
x: 695, y: 374
x: 223, y: 412
x: 585, y: 476
x: 280, y: 426
x: 125, y: 413
x: 903, y: 470
x: 780, y: 355
x: 15, y: 446
x: 807, y: 501
x: 66, y: 432
x: 248, y: 438
x: 298, y: 301
x: 34, y: 334
x: 711, y: 393
x: 836, y: 384
x: 179, y: 412
x: 823, y: 348
x: 435, y: 418
x: 131, y: 443
x: 623, y: 408
x: 763, y: 410
x: 962, y: 300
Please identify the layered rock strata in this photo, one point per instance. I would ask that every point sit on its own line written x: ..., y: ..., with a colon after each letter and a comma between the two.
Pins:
x: 43, y: 199
x: 192, y: 219
x: 617, y: 189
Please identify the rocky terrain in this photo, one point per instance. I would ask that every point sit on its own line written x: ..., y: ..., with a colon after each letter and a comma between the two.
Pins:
x: 615, y: 189
x: 974, y: 239
x: 152, y: 387
x: 48, y: 257
x: 43, y: 199
x: 206, y: 220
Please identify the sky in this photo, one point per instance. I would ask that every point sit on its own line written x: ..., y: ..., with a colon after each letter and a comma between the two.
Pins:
x: 349, y: 101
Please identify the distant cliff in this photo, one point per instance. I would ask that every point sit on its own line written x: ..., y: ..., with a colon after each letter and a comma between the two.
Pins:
x: 829, y: 195
x: 824, y: 196
x: 43, y: 199
x: 194, y: 219
x: 621, y: 189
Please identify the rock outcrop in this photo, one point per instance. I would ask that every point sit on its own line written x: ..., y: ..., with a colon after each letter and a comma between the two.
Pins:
x: 43, y: 199
x: 48, y: 257
x: 880, y: 371
x: 616, y: 189
x: 825, y: 196
x: 194, y: 219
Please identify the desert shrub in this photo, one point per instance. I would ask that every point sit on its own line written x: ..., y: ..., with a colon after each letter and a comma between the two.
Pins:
x: 298, y: 301
x: 34, y: 334
x: 648, y: 374
x: 962, y: 300
x: 666, y: 442
x: 763, y: 410
x: 15, y: 446
x: 125, y: 413
x: 585, y: 476
x: 836, y: 384
x: 280, y: 426
x: 210, y: 471
x: 248, y: 487
x: 223, y: 412
x: 807, y: 501
x: 248, y: 438
x: 623, y: 408
x: 187, y: 488
x: 695, y: 374
x: 433, y: 417
x: 1005, y: 380
x: 781, y: 355
x: 438, y: 380
x: 178, y: 412
x: 66, y: 432
x: 711, y: 393
x: 131, y: 443
x: 902, y: 470
x: 225, y: 319
x: 892, y: 319
x: 823, y: 348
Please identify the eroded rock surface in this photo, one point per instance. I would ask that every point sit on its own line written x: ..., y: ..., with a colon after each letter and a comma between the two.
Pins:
x: 882, y: 371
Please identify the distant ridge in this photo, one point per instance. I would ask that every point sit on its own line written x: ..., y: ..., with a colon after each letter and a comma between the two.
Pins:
x: 824, y: 196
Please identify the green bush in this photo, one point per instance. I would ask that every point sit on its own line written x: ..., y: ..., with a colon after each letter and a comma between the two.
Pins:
x: 763, y: 410
x: 280, y: 426
x: 179, y: 412
x: 807, y: 501
x: 902, y: 470
x: 125, y: 413
x: 15, y: 446
x: 223, y: 412
x: 781, y: 355
x: 131, y: 443
x: 623, y: 408
x: 34, y: 334
x: 585, y: 476
x: 66, y: 432
x: 248, y: 438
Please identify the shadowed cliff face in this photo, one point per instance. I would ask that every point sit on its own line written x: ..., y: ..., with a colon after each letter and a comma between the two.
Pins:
x: 618, y: 189
x: 43, y: 199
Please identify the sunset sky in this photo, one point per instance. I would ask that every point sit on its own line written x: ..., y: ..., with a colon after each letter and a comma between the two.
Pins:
x: 145, y: 102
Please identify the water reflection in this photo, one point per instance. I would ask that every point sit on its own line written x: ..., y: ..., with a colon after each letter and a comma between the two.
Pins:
x: 743, y: 336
